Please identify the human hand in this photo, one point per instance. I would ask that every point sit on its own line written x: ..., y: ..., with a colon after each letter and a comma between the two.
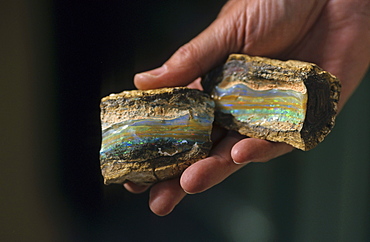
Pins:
x: 334, y: 34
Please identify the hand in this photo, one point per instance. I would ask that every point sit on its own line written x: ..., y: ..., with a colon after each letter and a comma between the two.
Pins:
x: 334, y: 34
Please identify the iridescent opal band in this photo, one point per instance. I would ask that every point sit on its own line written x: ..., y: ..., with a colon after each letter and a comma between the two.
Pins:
x: 179, y: 135
x: 262, y: 107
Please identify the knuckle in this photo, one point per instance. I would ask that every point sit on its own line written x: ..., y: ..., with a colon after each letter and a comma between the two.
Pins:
x: 186, y: 52
x: 188, y: 57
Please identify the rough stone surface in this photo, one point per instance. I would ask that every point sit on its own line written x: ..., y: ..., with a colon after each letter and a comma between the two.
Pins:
x: 154, y: 135
x: 284, y: 101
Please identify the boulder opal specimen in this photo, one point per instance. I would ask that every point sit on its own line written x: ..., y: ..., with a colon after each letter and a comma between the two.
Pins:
x: 284, y: 101
x: 153, y: 135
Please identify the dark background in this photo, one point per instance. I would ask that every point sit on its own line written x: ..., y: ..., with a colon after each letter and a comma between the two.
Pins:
x: 58, y: 58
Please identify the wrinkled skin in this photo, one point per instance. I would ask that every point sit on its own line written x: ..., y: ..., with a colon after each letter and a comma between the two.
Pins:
x: 335, y: 34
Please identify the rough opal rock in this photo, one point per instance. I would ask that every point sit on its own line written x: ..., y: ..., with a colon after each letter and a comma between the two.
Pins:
x: 154, y: 135
x: 283, y: 101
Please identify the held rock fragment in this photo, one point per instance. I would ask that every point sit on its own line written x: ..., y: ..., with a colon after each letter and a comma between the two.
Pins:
x: 284, y: 101
x: 154, y: 135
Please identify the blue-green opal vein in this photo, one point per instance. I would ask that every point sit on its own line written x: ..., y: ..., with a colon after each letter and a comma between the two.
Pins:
x: 178, y: 135
x: 262, y: 107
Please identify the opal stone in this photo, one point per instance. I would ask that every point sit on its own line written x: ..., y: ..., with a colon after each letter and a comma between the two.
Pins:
x: 283, y: 101
x: 149, y: 136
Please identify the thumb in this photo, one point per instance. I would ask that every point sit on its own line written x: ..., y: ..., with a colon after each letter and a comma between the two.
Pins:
x: 192, y: 60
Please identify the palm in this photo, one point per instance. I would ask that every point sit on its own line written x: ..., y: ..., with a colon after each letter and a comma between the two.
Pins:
x: 338, y: 44
x: 320, y: 32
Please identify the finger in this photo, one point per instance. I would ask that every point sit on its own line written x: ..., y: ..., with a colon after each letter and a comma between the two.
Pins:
x: 196, y: 84
x: 257, y: 150
x: 212, y: 170
x: 194, y: 59
x: 134, y: 188
x: 164, y: 196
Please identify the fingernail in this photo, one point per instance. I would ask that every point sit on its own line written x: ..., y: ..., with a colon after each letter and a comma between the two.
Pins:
x: 241, y: 163
x: 189, y: 193
x: 152, y: 73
